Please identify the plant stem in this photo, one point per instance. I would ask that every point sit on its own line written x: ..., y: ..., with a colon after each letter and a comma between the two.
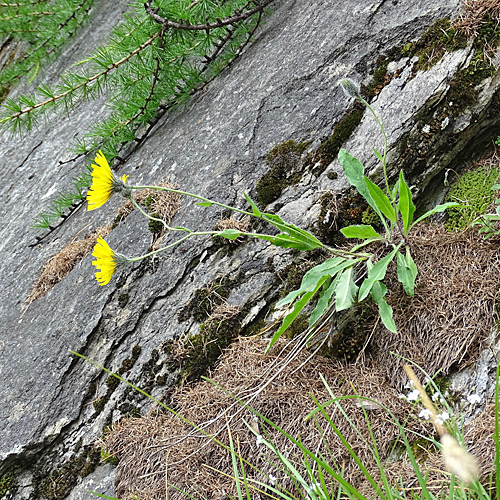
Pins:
x: 202, y: 198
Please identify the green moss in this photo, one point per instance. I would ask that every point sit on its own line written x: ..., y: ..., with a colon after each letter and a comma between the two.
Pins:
x: 205, y: 300
x: 422, y: 448
x: 106, y: 457
x: 57, y: 483
x: 100, y: 403
x: 285, y: 169
x: 8, y: 485
x: 440, y: 38
x: 329, y: 149
x: 352, y: 331
x: 336, y: 213
x: 299, y: 325
x: 472, y: 189
x: 155, y: 226
x: 203, y: 350
x: 370, y: 217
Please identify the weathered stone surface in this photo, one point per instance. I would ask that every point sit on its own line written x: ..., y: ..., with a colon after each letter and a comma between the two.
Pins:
x: 284, y: 87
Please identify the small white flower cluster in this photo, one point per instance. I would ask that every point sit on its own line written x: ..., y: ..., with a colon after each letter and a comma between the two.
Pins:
x: 474, y: 399
x: 272, y: 479
x: 259, y: 440
x: 314, y: 488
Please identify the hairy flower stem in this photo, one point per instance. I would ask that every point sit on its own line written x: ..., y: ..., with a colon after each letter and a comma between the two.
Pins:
x: 384, y: 166
x: 335, y: 251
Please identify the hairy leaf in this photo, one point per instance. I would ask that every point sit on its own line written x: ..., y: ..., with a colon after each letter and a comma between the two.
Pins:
x: 407, y: 271
x: 406, y: 206
x: 382, y: 201
x: 376, y: 273
x: 360, y: 231
x: 378, y: 293
x: 346, y: 290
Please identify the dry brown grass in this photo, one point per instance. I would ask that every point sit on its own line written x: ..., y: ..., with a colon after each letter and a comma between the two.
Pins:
x: 474, y: 13
x: 453, y: 310
x: 164, y: 204
x: 478, y: 437
x: 232, y: 223
x: 146, y: 446
x: 63, y: 262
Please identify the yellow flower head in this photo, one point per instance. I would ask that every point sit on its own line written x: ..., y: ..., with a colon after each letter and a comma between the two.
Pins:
x: 105, y: 261
x: 104, y: 183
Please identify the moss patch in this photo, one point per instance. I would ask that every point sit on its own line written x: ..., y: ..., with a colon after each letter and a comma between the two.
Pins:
x: 439, y: 38
x: 203, y: 350
x: 8, y: 485
x: 329, y: 149
x: 285, y: 169
x: 473, y: 190
x: 336, y: 213
x: 57, y: 483
x: 205, y: 300
x: 112, y: 382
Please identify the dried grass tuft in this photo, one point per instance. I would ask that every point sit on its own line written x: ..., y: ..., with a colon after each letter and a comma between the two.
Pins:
x: 163, y: 204
x: 474, y: 13
x: 147, y: 446
x: 63, y: 262
x: 478, y: 437
x: 454, y: 307
x: 231, y: 223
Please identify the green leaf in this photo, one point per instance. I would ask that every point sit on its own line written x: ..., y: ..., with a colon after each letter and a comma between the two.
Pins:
x: 297, y: 308
x: 406, y: 206
x: 324, y: 300
x: 286, y: 241
x: 378, y: 292
x: 378, y: 155
x: 230, y: 234
x: 255, y: 208
x: 376, y: 273
x: 327, y: 269
x: 295, y: 232
x: 355, y: 173
x: 204, y: 204
x: 407, y: 272
x: 382, y: 201
x: 360, y: 231
x: 435, y: 210
x: 346, y: 289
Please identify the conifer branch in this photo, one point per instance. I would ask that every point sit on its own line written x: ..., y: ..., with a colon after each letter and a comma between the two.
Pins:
x: 186, y: 25
x: 33, y: 2
x: 85, y: 83
x: 27, y: 14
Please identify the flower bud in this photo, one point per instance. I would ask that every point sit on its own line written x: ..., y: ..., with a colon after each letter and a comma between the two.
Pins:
x: 350, y: 88
x: 458, y: 461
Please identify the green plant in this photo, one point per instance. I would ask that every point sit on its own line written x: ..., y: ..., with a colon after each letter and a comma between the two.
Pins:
x: 333, y: 280
x: 154, y: 60
x: 43, y: 26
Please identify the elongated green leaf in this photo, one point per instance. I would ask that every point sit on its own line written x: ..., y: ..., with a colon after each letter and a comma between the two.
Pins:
x: 293, y: 231
x: 324, y: 300
x: 255, y: 208
x: 406, y: 206
x: 360, y: 231
x: 327, y: 269
x: 346, y: 290
x: 355, y: 173
x: 297, y: 308
x: 230, y: 234
x: 437, y: 209
x: 378, y: 292
x: 407, y: 272
x: 286, y: 241
x: 382, y: 201
x: 378, y: 155
x: 204, y: 204
x: 376, y: 273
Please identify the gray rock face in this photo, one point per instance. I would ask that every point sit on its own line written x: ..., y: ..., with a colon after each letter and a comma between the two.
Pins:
x: 283, y: 87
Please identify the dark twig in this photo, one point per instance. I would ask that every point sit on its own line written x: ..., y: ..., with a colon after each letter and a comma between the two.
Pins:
x: 220, y: 23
